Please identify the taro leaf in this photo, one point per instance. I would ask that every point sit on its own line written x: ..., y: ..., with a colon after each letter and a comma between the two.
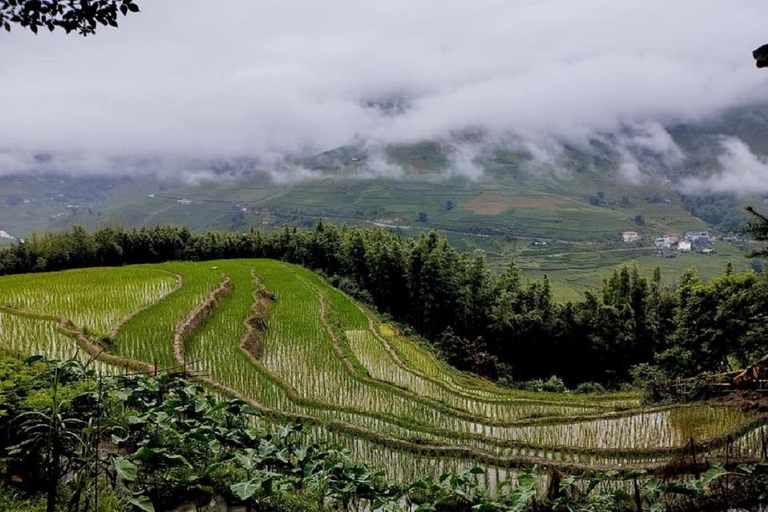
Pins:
x: 248, y: 460
x: 487, y: 507
x: 301, y: 452
x: 177, y: 458
x: 125, y: 468
x: 712, y: 473
x: 653, y: 487
x: 621, y: 496
x: 149, y: 385
x: 283, y: 455
x: 207, y: 489
x: 118, y: 440
x: 286, y: 430
x: 253, y: 433
x: 201, y: 404
x: 266, y: 448
x: 123, y: 395
x: 163, y: 420
x: 137, y: 420
x: 245, y: 490
x: 211, y: 468
x: 145, y: 453
x: 419, y: 484
x: 567, y: 481
x: 629, y: 475
x: 142, y: 502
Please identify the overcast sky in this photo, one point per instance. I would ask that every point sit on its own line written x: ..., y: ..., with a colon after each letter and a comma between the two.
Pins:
x: 249, y: 77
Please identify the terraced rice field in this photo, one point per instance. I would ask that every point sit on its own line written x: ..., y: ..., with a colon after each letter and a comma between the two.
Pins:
x: 278, y: 336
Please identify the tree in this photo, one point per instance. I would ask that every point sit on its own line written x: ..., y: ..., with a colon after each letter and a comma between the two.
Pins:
x: 81, y: 16
x: 761, y: 56
x: 757, y: 228
x: 758, y: 225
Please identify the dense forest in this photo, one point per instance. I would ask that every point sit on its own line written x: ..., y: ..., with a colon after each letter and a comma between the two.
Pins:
x: 501, y: 326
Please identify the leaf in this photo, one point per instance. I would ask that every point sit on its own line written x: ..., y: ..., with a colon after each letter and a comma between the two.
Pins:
x: 118, y: 440
x: 163, y: 420
x: 142, y: 502
x: 712, y: 473
x: 177, y: 458
x: 126, y: 469
x: 284, y: 431
x: 245, y: 490
x: 486, y: 507
x: 477, y: 471
x: 211, y: 468
x: 301, y: 452
x: 123, y: 395
x: 207, y: 489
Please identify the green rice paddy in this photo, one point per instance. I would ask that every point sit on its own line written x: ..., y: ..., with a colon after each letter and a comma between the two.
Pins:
x: 280, y: 337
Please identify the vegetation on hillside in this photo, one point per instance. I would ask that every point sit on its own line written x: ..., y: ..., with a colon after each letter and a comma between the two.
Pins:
x: 504, y: 327
x: 73, y: 441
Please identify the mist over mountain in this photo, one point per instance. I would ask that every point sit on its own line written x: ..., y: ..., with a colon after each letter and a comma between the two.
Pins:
x: 184, y: 86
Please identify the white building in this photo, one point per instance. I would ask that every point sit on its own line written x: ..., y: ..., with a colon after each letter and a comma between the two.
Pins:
x: 630, y: 236
x: 670, y: 240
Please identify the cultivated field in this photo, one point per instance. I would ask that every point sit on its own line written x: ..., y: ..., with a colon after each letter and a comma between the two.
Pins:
x: 281, y: 338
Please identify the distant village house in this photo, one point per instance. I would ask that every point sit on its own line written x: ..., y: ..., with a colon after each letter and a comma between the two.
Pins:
x: 630, y: 236
x: 698, y: 237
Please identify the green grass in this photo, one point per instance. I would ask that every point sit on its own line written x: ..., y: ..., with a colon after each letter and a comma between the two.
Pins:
x: 573, y: 272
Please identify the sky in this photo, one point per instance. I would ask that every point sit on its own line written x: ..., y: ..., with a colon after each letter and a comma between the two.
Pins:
x: 194, y: 78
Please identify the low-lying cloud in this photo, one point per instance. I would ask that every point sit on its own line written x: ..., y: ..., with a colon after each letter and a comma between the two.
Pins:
x: 188, y: 79
x: 742, y: 172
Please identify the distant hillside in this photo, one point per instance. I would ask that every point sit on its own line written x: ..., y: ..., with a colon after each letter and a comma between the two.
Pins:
x: 509, y: 197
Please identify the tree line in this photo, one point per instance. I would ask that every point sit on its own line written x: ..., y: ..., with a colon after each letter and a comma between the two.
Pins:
x: 502, y: 326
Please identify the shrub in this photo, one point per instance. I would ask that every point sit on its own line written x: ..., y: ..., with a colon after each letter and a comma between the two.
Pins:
x: 589, y: 387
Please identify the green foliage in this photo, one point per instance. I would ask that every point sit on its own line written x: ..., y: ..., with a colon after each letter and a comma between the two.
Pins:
x: 589, y: 387
x: 721, y: 210
x: 717, y: 323
x: 485, y: 322
x: 172, y: 443
x: 757, y: 228
x: 69, y: 15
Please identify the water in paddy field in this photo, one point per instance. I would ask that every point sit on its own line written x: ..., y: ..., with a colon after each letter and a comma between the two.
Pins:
x: 406, y: 466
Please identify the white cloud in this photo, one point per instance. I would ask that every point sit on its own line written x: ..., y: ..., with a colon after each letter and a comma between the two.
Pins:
x: 237, y: 77
x: 742, y: 172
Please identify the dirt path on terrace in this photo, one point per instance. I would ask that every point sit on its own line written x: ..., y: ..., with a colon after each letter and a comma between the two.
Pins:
x: 749, y: 400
